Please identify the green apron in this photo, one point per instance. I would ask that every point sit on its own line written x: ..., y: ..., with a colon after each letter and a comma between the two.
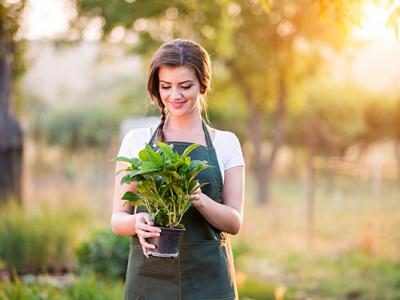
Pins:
x: 204, y: 268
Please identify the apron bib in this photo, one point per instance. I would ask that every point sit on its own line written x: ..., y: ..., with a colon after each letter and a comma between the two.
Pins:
x: 204, y: 268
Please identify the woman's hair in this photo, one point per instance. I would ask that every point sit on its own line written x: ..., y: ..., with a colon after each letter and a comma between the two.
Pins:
x: 175, y: 53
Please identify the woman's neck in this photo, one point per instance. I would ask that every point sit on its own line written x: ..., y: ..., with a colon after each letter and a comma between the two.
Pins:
x: 187, y: 123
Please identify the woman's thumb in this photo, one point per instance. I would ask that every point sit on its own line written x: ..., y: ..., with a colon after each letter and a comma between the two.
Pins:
x: 148, y: 219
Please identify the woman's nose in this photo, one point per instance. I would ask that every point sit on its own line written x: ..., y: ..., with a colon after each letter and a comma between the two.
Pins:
x: 176, y: 93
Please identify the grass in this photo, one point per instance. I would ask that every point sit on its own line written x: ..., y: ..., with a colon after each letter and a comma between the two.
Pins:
x: 85, y: 287
x: 353, y: 253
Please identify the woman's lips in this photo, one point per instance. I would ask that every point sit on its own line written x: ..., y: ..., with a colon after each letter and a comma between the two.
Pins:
x: 178, y: 104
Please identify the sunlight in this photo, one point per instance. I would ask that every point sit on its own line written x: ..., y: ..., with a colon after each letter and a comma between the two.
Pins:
x: 373, y: 25
x: 45, y: 18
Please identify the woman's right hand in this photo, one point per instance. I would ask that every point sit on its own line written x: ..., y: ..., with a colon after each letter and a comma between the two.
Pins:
x: 145, y: 229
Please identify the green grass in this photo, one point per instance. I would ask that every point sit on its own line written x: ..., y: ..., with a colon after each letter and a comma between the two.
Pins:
x: 352, y: 254
x: 85, y: 287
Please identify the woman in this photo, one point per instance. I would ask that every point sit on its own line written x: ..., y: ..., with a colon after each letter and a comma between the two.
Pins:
x: 178, y: 79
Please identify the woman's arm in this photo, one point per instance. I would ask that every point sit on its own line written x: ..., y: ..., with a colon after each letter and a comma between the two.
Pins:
x: 123, y: 221
x: 228, y: 216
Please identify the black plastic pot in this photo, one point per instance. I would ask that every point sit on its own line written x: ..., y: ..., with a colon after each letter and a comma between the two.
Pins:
x: 167, y: 244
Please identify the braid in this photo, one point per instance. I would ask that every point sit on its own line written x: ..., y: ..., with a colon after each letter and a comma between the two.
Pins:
x: 160, y: 134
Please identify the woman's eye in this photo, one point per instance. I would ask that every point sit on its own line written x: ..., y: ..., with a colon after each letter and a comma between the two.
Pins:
x: 165, y: 87
x: 187, y: 87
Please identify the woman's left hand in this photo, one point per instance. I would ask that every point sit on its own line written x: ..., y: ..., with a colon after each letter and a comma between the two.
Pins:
x: 196, y: 197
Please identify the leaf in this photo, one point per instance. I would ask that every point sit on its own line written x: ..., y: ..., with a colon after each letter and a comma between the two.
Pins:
x: 153, y: 156
x: 166, y: 150
x: 132, y: 198
x: 189, y: 149
x: 126, y: 179
x: 148, y: 166
x: 143, y: 155
x: 132, y: 161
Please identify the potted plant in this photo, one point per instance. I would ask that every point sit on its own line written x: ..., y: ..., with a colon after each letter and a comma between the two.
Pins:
x: 165, y: 181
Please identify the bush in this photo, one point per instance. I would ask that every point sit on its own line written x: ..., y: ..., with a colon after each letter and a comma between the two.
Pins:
x: 106, y: 254
x: 75, y: 129
x: 85, y: 287
x: 256, y: 290
x: 89, y: 287
x: 34, y: 242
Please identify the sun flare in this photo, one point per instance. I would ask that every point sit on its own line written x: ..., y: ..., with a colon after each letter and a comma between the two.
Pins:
x: 373, y: 26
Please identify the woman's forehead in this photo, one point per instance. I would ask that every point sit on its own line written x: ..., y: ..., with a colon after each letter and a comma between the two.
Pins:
x: 176, y: 74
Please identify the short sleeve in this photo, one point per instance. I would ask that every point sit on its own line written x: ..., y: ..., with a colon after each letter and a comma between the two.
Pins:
x: 134, y: 141
x: 126, y: 146
x: 235, y: 157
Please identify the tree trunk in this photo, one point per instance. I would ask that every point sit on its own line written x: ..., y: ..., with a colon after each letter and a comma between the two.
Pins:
x: 262, y: 164
x: 310, y: 180
x: 397, y: 155
x: 11, y: 138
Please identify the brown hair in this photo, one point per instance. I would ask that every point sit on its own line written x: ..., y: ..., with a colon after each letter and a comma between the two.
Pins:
x: 175, y: 53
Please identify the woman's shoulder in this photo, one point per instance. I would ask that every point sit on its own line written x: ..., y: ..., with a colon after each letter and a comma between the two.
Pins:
x: 140, y: 133
x: 225, y: 136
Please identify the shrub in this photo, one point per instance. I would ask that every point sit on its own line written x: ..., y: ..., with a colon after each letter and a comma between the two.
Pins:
x: 105, y: 254
x: 85, y: 287
x: 34, y: 242
x: 74, y: 129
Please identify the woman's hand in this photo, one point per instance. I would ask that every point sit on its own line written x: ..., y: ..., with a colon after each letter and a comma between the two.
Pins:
x: 196, y: 197
x: 145, y: 229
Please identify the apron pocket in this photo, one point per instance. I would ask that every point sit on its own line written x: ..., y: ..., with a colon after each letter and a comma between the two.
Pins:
x: 151, y: 278
x: 206, y: 271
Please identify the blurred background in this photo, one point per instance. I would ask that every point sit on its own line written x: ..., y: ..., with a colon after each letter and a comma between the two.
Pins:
x: 310, y: 87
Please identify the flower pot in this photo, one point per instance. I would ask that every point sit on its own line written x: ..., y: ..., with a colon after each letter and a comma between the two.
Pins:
x: 167, y: 244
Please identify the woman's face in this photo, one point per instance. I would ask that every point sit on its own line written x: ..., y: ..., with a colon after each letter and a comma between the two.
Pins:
x: 179, y: 90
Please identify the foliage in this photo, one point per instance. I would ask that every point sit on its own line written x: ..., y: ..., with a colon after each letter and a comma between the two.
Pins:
x: 85, y: 287
x: 256, y: 289
x: 90, y: 287
x: 268, y: 48
x: 105, y: 254
x: 36, y: 241
x: 11, y: 47
x: 165, y: 182
x: 84, y: 127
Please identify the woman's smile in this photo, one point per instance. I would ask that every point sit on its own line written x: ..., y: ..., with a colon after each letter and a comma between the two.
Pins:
x: 178, y: 104
x: 179, y: 90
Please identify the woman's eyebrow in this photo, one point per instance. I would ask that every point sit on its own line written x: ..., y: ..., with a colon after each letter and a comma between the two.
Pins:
x: 178, y: 83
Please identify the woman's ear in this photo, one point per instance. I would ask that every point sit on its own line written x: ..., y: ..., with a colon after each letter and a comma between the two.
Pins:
x: 202, y: 90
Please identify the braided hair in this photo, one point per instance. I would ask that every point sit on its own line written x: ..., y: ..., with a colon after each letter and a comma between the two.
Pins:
x: 175, y: 53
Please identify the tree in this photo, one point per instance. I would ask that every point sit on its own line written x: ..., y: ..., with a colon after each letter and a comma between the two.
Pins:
x: 11, y: 137
x: 257, y: 41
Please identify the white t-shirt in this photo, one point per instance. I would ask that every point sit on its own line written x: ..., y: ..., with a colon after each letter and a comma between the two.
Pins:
x: 226, y: 144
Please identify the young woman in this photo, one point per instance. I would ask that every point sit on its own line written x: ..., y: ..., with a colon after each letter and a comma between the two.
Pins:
x: 178, y: 79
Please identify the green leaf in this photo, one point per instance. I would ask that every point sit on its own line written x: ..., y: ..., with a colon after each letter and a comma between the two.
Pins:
x: 166, y: 150
x: 126, y: 179
x: 189, y: 149
x: 153, y: 156
x: 143, y: 155
x: 148, y: 166
x: 132, y: 161
x: 133, y: 198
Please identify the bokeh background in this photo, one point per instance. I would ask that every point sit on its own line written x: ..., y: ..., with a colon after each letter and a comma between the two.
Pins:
x: 310, y: 87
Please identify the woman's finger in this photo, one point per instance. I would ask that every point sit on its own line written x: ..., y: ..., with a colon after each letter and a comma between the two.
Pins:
x: 147, y: 234
x: 145, y: 252
x: 147, y: 219
x: 146, y: 244
x: 146, y: 227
